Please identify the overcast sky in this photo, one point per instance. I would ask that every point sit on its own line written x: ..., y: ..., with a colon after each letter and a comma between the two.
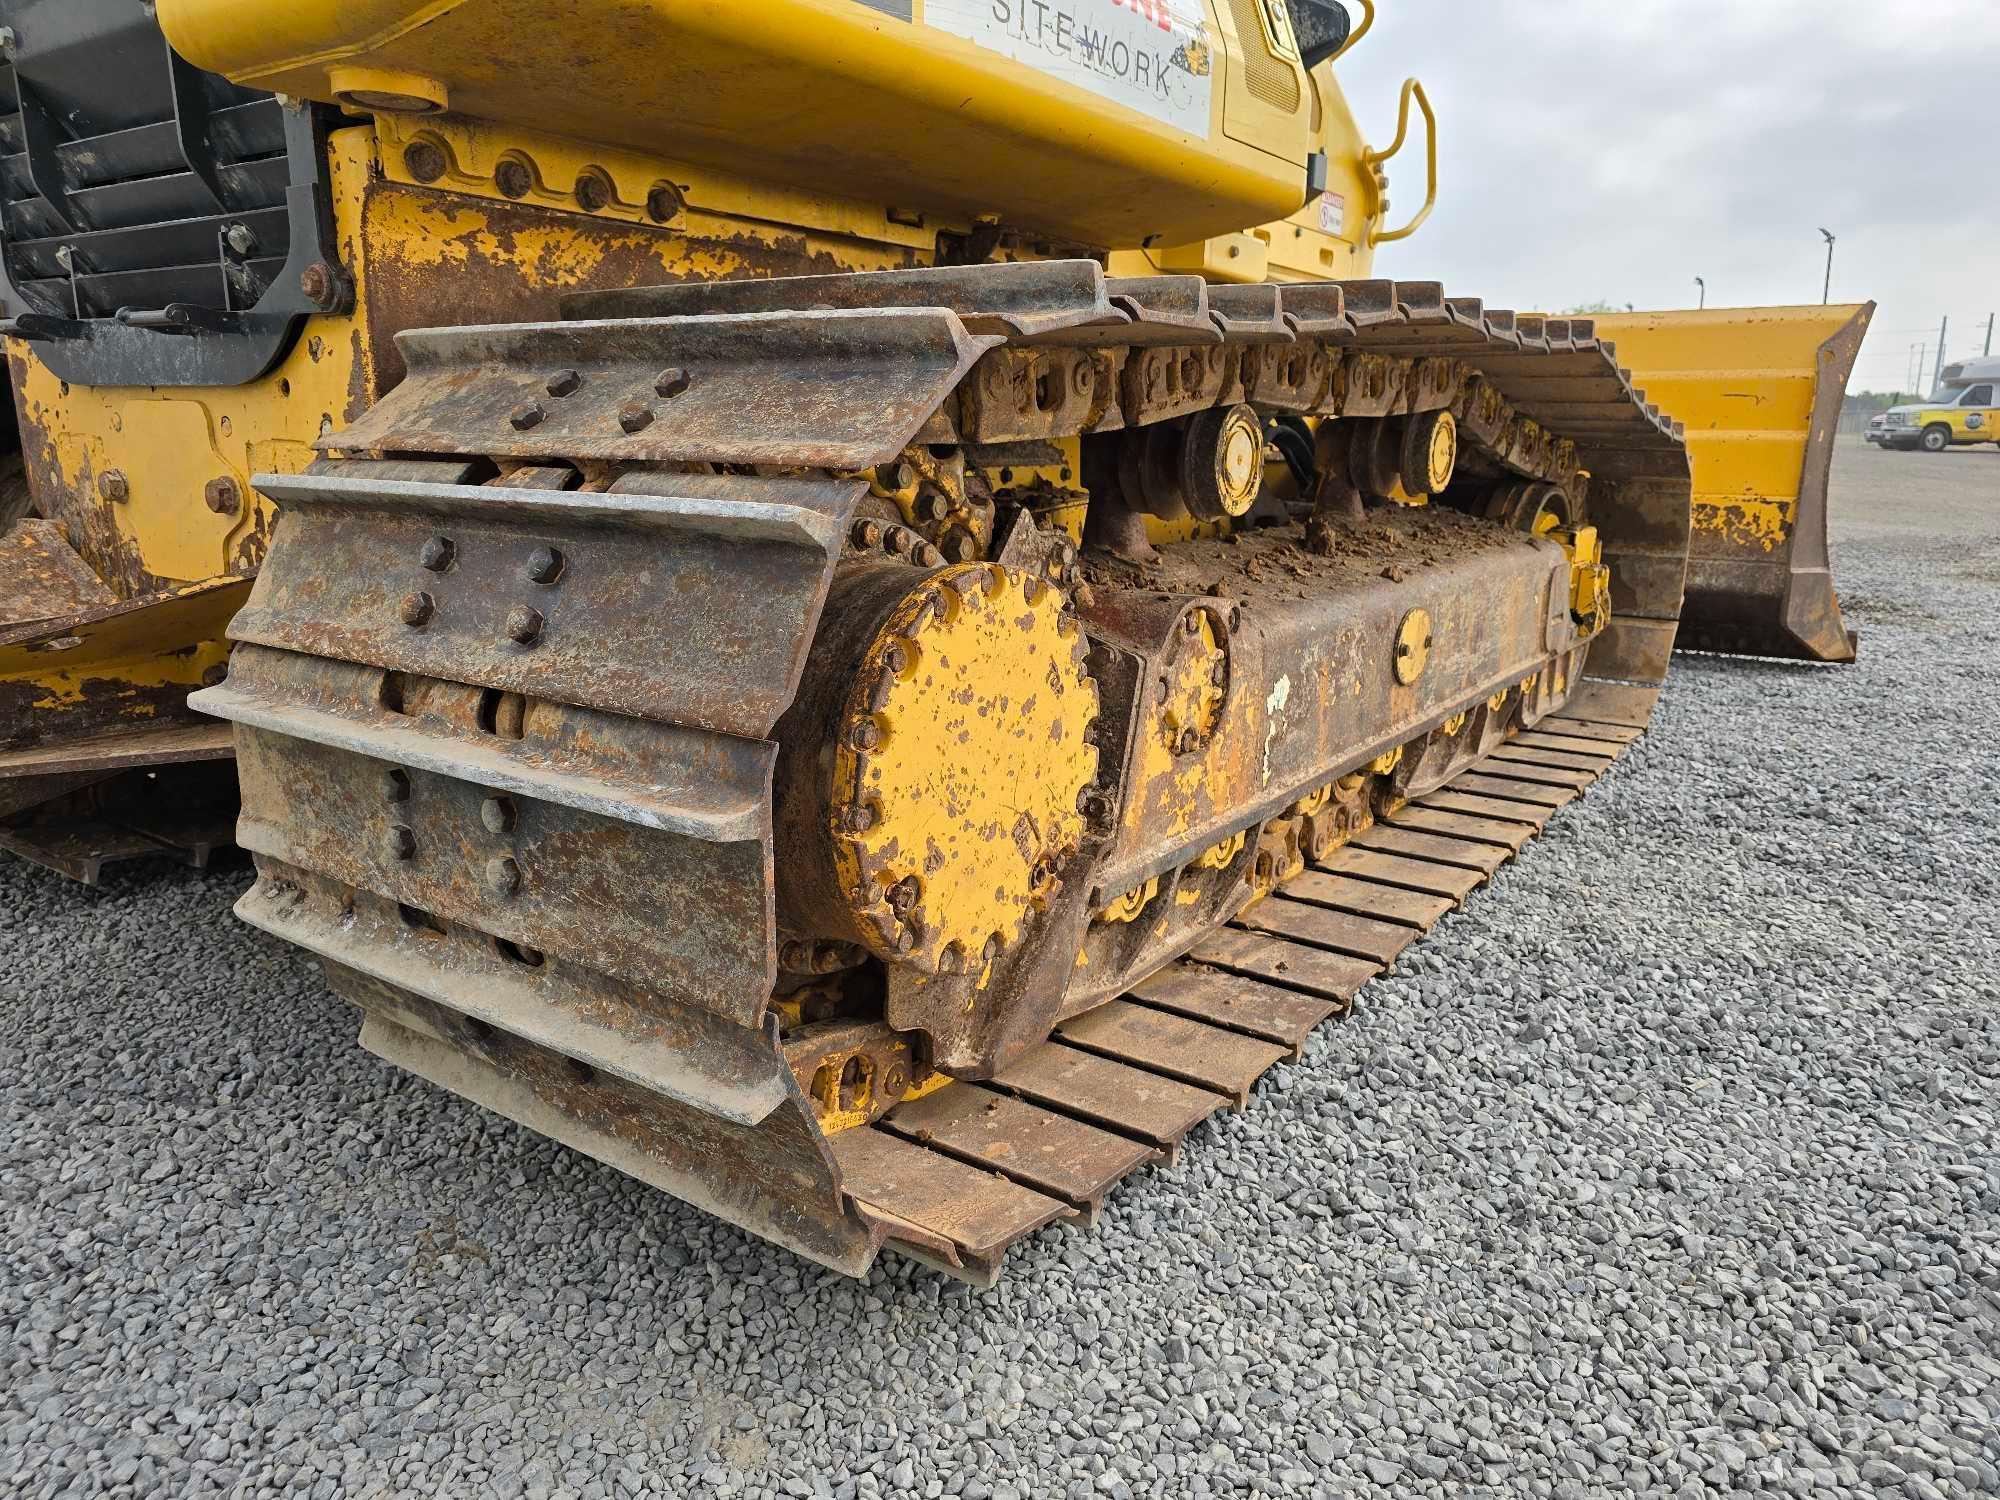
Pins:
x: 1616, y: 149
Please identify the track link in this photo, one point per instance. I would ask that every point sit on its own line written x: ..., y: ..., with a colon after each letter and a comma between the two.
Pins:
x: 512, y: 709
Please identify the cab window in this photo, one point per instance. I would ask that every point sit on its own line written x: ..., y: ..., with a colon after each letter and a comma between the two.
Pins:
x: 1977, y: 395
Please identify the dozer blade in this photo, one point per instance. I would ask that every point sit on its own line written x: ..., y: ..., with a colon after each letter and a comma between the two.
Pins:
x: 636, y: 757
x: 93, y: 699
x: 1759, y: 392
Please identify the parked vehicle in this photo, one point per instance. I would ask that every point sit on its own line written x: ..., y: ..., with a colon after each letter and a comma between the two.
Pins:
x: 1962, y: 410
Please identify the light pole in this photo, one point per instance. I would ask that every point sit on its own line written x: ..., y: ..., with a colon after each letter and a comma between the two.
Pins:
x: 1826, y: 296
x: 1704, y: 292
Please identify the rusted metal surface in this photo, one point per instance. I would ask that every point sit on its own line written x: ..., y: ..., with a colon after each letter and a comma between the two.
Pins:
x: 1131, y: 1101
x: 1628, y: 705
x: 1268, y: 1011
x: 539, y: 762
x: 631, y: 1032
x: 1410, y: 874
x: 1175, y: 1045
x: 677, y: 389
x: 1533, y: 817
x: 776, y: 1178
x: 539, y: 874
x: 688, y: 598
x: 1303, y: 921
x: 1040, y: 298
x: 1614, y: 735
x: 1332, y: 976
x: 1507, y: 789
x: 1368, y: 898
x: 1549, y: 759
x: 981, y: 1213
x: 1572, y: 744
x: 1054, y: 1154
x: 42, y: 578
x: 1468, y: 826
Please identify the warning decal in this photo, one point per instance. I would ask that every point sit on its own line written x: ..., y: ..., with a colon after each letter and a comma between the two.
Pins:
x: 1153, y: 56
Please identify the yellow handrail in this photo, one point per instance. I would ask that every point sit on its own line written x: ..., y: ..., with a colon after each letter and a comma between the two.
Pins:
x: 1373, y: 161
x: 1367, y: 20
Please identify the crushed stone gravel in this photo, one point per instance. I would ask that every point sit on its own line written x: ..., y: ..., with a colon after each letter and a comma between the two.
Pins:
x: 1666, y: 1166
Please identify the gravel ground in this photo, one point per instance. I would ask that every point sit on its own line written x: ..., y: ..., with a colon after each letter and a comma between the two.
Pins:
x: 1665, y: 1166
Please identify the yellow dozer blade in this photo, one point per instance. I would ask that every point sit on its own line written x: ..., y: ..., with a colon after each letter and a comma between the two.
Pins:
x: 1759, y: 391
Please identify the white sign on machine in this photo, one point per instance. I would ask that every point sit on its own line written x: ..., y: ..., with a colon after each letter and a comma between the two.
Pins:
x: 1153, y: 56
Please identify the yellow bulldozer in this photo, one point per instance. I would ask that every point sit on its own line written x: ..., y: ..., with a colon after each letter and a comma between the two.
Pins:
x: 860, y: 608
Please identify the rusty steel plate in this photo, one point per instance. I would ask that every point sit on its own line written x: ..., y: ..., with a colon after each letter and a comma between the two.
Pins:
x: 1513, y: 769
x: 1052, y: 1153
x: 1368, y: 898
x: 1613, y: 703
x: 1599, y: 750
x: 1176, y: 1045
x: 689, y: 598
x: 1130, y: 1100
x: 1531, y: 817
x: 980, y: 1212
x: 1462, y: 825
x: 1247, y: 1005
x: 1590, y: 729
x: 1508, y: 790
x: 42, y: 578
x: 1443, y: 849
x: 1550, y: 759
x: 1332, y: 976
x: 853, y: 386
x: 1411, y: 874
x: 1337, y: 931
x: 1020, y: 299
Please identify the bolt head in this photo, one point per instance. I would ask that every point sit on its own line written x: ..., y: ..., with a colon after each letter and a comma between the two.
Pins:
x: 867, y: 534
x: 399, y: 842
x: 503, y: 876
x: 545, y: 565
x: 673, y: 381
x: 635, y: 417
x: 417, y: 609
x: 859, y: 819
x: 113, y: 486
x: 795, y: 956
x: 564, y: 383
x: 222, y: 496
x: 524, y: 624
x: 866, y: 735
x: 319, y: 284
x: 964, y: 547
x: 526, y: 416
x: 498, y: 814
x: 438, y: 553
x: 930, y: 557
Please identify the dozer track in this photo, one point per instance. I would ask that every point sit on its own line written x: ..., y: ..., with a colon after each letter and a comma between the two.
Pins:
x: 687, y: 729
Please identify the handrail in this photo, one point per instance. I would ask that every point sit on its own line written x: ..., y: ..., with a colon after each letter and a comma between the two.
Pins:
x: 1372, y: 161
x: 1367, y: 20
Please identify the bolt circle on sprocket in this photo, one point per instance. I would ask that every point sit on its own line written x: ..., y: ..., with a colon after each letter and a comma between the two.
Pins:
x: 961, y: 760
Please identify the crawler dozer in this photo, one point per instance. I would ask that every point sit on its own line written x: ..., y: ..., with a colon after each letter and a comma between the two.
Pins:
x: 861, y: 609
